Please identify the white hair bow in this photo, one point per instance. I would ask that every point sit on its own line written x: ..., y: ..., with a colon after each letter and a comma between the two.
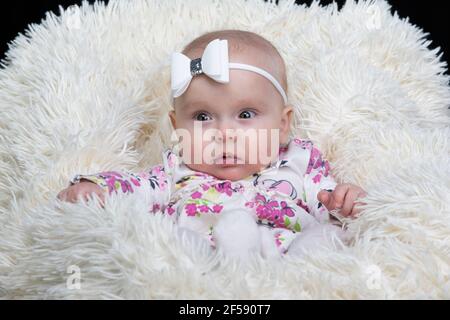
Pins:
x: 213, y: 63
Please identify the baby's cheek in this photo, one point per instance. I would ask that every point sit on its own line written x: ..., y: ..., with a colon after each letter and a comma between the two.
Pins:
x: 268, y: 151
x: 255, y: 150
x: 197, y: 153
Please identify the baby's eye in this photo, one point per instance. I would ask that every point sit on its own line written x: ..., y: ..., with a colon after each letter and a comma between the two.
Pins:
x: 247, y: 114
x: 202, y: 117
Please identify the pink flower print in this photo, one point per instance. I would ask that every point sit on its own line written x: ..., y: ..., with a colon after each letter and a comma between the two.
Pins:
x: 112, y: 173
x: 259, y: 197
x: 278, y: 239
x: 156, y: 171
x: 196, y: 195
x: 162, y: 185
x: 157, y: 178
x: 278, y: 242
x: 135, y: 182
x: 260, y: 210
x: 282, y: 150
x: 156, y: 207
x: 263, y: 212
x: 224, y: 187
x: 203, y: 208
x: 217, y: 208
x: 170, y: 210
x: 304, y: 144
x: 126, y: 186
x: 315, y: 160
x: 239, y: 188
x: 171, y: 160
x: 191, y: 209
x: 286, y: 210
x: 205, y: 187
x: 111, y: 182
x: 276, y: 217
x: 302, y: 205
x: 227, y: 187
x: 317, y: 178
x: 273, y: 211
x: 250, y: 204
x: 327, y: 168
x: 272, y: 204
x: 315, y: 155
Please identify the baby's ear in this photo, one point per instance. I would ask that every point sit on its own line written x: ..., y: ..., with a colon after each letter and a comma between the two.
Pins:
x: 173, y: 119
x: 285, y: 127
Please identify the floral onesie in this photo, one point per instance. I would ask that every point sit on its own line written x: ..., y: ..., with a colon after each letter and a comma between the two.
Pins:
x: 281, y: 197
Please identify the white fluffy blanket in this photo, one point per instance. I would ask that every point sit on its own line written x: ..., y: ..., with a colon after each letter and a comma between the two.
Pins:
x: 88, y: 90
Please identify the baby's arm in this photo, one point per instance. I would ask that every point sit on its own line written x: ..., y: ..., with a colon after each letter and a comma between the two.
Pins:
x: 317, y: 178
x: 154, y: 182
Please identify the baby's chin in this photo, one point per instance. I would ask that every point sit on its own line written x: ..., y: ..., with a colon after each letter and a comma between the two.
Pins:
x: 228, y: 172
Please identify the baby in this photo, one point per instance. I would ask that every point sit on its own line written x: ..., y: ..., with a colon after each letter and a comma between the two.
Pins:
x: 237, y: 179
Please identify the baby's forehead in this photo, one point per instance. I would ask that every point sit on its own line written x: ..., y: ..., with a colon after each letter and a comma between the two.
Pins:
x: 225, y: 101
x: 265, y: 57
x: 206, y: 101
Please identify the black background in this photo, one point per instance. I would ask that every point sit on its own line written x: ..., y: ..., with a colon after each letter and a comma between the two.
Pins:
x: 431, y: 16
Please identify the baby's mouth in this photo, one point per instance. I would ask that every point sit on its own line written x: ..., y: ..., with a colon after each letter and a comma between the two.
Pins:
x: 226, y: 159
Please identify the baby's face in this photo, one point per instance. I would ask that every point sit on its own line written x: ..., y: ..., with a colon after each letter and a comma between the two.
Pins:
x: 248, y: 101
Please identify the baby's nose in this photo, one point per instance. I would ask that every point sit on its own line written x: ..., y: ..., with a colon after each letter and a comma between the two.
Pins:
x: 225, y: 135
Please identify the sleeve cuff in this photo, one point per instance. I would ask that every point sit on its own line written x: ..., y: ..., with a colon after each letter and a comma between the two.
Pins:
x: 93, y: 178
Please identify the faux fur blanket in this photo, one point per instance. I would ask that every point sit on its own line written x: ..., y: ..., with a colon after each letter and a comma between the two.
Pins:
x: 88, y: 90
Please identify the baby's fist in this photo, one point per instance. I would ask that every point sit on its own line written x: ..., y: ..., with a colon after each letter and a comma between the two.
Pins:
x: 83, y: 189
x: 343, y: 197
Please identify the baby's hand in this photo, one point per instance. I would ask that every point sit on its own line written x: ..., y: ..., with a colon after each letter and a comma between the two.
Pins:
x: 343, y: 197
x: 84, y: 188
